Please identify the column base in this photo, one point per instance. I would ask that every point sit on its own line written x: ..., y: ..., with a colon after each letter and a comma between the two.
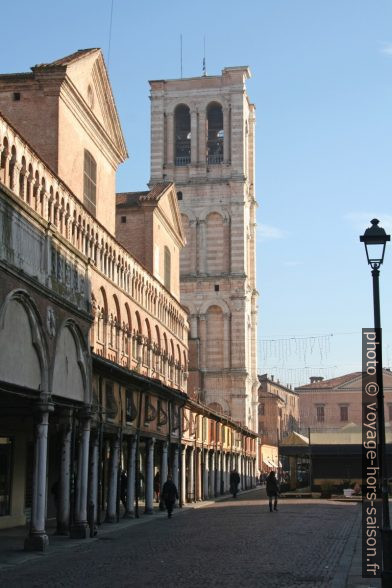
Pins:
x: 110, y: 518
x: 79, y: 531
x: 38, y: 542
x: 129, y: 514
x: 149, y: 511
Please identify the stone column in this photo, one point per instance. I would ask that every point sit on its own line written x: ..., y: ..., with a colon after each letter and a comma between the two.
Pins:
x: 191, y: 477
x: 170, y: 138
x: 226, y: 340
x: 206, y: 470
x: 193, y: 137
x: 239, y: 469
x: 79, y: 529
x: 202, y: 246
x: 203, y: 340
x: 131, y: 474
x: 212, y: 475
x: 175, y: 467
x: 226, y: 135
x: 149, y: 507
x: 217, y: 473
x: 164, y: 464
x: 37, y: 540
x: 223, y: 473
x: 183, y: 474
x: 199, y: 474
x: 202, y: 137
x: 111, y: 509
x: 93, y: 472
x: 64, y: 484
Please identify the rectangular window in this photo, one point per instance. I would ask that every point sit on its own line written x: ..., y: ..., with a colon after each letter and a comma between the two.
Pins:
x: 5, y: 475
x: 123, y: 219
x: 344, y: 413
x: 320, y: 414
x: 390, y: 411
x: 261, y: 409
x: 90, y: 182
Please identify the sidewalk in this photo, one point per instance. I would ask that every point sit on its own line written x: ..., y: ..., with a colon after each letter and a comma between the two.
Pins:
x: 349, y: 569
x: 12, y: 540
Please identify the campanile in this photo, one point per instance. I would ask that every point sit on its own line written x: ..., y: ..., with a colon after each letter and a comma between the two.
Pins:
x: 202, y: 138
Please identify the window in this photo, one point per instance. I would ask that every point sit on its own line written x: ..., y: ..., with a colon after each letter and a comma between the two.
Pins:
x: 16, y: 96
x: 167, y: 268
x: 216, y: 287
x: 261, y: 409
x: 90, y: 182
x: 344, y: 413
x: 320, y: 414
x: 123, y: 219
x: 182, y: 135
x: 390, y: 411
x: 215, y: 134
x: 179, y: 195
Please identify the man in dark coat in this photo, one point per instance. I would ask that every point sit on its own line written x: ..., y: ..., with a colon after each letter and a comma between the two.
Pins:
x: 234, y: 481
x: 272, y: 489
x: 169, y: 495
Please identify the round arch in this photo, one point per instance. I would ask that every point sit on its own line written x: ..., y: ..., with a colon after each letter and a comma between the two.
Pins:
x: 71, y: 364
x: 22, y: 336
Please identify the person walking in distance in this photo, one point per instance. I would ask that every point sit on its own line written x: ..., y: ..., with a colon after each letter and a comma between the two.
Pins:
x: 234, y: 481
x: 272, y: 489
x: 169, y: 495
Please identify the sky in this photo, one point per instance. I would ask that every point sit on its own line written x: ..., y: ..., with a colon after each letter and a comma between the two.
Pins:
x: 322, y: 85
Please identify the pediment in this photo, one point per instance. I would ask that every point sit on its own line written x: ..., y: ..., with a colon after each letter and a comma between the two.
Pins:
x: 168, y: 207
x: 89, y: 76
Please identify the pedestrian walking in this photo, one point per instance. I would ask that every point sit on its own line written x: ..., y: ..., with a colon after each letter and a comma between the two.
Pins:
x: 272, y: 489
x: 234, y: 481
x: 123, y: 488
x: 157, y: 485
x: 169, y: 495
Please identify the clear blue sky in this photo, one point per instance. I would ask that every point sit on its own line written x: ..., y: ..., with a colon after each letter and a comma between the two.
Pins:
x: 322, y: 85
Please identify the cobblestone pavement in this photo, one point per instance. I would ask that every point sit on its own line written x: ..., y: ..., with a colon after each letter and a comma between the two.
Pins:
x: 230, y: 543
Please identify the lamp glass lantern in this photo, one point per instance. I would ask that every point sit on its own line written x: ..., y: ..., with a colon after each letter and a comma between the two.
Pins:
x: 375, y: 239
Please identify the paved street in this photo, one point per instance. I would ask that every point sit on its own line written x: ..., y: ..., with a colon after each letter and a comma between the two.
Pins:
x: 229, y: 543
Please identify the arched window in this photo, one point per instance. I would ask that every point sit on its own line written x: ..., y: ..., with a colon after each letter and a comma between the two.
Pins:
x: 167, y: 268
x: 90, y: 182
x: 215, y: 133
x: 182, y: 126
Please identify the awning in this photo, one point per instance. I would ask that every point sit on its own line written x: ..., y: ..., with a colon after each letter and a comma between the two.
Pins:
x: 269, y: 463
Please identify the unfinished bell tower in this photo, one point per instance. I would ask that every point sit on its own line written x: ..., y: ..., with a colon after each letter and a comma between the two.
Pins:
x: 202, y: 138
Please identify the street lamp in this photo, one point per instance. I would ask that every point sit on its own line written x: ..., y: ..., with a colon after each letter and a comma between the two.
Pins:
x: 375, y: 240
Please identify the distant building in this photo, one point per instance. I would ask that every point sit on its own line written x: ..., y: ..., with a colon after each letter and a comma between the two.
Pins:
x: 278, y: 410
x: 334, y: 403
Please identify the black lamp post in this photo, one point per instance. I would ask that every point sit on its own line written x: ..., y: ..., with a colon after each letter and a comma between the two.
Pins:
x: 375, y: 240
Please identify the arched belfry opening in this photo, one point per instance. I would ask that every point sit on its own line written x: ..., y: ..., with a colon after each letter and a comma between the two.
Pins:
x: 182, y: 131
x: 215, y: 134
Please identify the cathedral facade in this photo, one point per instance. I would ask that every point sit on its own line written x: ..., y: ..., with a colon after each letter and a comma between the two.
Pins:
x: 202, y: 138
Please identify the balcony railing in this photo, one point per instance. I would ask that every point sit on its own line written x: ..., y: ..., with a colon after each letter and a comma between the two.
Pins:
x: 181, y: 161
x: 214, y: 159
